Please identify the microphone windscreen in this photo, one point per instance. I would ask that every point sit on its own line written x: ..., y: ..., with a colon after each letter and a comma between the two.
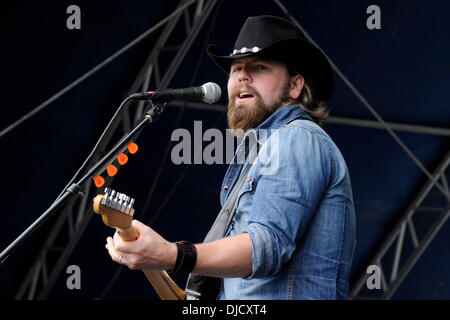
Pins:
x: 212, y: 92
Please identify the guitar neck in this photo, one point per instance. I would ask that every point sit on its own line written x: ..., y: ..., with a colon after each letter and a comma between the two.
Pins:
x: 163, y: 284
x: 118, y: 213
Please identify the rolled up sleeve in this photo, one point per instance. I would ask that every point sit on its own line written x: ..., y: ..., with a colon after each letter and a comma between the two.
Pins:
x: 286, y: 196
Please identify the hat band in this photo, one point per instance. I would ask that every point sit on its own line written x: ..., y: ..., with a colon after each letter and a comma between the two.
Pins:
x: 245, y: 50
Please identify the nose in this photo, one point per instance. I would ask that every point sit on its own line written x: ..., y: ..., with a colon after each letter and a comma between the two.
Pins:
x: 243, y: 75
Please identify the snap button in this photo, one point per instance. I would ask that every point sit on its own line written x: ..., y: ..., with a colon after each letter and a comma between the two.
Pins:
x: 225, y: 188
x: 248, y: 180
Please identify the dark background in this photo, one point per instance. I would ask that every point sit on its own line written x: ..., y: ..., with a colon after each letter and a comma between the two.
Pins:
x: 402, y: 70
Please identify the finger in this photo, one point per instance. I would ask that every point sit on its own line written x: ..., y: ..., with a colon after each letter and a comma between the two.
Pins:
x: 122, y: 245
x: 108, y: 240
x: 119, y: 243
x: 142, y: 228
x: 138, y: 225
x: 116, y: 237
x: 115, y: 256
x: 110, y: 246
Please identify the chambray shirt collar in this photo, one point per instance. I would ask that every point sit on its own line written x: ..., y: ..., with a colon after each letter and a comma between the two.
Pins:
x: 275, y: 121
x: 281, y: 117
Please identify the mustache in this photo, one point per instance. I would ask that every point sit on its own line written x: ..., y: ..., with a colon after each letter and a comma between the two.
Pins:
x: 246, y: 88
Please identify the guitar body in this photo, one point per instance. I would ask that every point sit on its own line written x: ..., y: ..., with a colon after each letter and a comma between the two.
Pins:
x: 209, y: 287
x: 117, y: 212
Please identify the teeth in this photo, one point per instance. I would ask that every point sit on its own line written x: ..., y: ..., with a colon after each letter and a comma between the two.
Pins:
x: 245, y: 95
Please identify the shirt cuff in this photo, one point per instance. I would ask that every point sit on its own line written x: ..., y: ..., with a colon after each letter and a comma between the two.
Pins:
x: 263, y: 251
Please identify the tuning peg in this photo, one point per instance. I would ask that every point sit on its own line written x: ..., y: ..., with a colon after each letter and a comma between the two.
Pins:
x: 105, y: 196
x: 125, y: 204
x: 116, y: 201
x: 110, y: 199
x: 130, y: 207
x: 122, y: 203
x: 119, y: 201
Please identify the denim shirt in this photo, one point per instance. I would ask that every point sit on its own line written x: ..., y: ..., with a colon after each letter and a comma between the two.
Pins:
x: 297, y: 207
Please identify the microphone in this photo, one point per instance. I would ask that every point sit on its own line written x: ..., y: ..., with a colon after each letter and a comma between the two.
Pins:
x: 209, y: 92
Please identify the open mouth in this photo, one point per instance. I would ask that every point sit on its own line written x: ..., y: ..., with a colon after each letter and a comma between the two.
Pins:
x: 245, y: 96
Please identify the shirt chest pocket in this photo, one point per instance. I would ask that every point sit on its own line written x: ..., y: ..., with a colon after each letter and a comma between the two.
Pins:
x: 242, y: 208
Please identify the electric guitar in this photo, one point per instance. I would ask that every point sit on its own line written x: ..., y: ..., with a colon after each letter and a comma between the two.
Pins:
x: 117, y: 212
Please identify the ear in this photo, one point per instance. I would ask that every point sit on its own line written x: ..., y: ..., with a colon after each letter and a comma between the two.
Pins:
x: 297, y: 83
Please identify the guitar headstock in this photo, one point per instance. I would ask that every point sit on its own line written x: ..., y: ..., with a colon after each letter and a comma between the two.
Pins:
x: 116, y: 208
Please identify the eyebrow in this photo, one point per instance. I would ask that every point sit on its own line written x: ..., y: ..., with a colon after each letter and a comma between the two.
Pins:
x: 258, y: 59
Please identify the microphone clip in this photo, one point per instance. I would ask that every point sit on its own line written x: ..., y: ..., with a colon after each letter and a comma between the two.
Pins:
x: 154, y: 112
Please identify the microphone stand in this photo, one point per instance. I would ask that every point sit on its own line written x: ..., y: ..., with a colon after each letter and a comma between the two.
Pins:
x: 74, y: 189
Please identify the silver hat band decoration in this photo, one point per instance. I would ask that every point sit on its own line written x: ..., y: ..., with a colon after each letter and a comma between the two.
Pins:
x: 244, y: 50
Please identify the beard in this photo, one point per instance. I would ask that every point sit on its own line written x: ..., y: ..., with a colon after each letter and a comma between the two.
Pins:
x: 246, y: 116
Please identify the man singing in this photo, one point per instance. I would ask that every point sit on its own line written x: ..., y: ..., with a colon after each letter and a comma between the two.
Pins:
x: 291, y: 229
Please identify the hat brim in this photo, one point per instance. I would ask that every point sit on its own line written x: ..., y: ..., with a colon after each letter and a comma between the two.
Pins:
x: 298, y: 54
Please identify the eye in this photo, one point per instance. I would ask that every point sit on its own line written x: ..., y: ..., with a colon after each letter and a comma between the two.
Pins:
x: 236, y: 69
x: 261, y: 67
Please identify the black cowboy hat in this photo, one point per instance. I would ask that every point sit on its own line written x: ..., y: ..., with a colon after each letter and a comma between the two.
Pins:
x: 277, y: 38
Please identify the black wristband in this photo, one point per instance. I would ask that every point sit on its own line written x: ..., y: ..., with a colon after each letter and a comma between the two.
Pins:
x: 186, y: 257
